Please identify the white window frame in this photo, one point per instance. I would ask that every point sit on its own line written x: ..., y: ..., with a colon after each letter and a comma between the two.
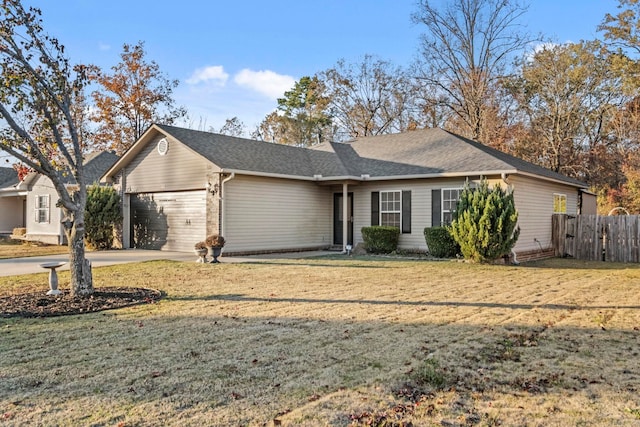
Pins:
x: 558, y: 199
x: 451, y: 209
x: 391, y: 209
x: 42, y: 209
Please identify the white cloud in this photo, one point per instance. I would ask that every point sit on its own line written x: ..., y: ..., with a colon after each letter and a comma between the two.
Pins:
x: 545, y: 46
x: 266, y: 82
x: 540, y: 47
x: 104, y: 46
x: 211, y: 74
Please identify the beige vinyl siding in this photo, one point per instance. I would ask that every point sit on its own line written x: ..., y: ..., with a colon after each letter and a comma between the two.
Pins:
x: 264, y: 214
x: 47, y: 232
x: 534, y: 202
x: 420, y: 207
x: 11, y: 213
x: 179, y: 169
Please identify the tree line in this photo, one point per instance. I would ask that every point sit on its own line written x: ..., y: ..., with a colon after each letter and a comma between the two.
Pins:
x: 572, y: 108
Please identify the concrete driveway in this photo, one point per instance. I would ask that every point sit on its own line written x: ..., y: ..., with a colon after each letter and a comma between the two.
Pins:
x: 15, y: 266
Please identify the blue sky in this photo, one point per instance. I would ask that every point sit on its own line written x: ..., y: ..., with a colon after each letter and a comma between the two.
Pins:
x: 234, y: 58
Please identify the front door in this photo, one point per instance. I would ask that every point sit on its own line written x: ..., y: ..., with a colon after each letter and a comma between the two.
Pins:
x: 338, y: 219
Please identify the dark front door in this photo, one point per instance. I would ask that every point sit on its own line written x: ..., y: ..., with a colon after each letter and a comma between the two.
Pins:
x: 338, y: 219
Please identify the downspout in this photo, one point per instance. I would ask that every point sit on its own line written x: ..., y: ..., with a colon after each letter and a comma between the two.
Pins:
x: 505, y: 179
x: 223, y: 209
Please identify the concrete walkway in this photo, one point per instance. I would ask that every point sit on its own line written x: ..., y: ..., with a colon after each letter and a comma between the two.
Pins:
x: 28, y: 265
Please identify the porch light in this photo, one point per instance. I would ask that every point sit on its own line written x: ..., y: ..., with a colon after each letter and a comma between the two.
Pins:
x: 213, y: 189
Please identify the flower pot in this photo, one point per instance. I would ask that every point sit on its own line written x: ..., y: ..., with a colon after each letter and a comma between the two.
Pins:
x: 202, y: 254
x: 214, y: 252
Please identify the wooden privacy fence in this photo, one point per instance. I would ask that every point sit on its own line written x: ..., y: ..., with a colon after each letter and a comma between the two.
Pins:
x: 597, y: 238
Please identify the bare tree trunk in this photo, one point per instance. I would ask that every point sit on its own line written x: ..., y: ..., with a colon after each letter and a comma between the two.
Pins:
x: 79, y: 265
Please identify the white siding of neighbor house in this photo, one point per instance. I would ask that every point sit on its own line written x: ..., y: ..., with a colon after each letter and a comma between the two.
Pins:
x: 50, y: 232
x: 179, y: 169
x: 263, y: 214
x: 534, y: 202
x: 11, y: 215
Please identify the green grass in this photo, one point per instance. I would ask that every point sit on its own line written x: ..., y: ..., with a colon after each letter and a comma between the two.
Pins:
x: 334, y: 342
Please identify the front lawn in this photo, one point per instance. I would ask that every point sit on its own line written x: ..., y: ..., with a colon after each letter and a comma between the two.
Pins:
x: 334, y: 342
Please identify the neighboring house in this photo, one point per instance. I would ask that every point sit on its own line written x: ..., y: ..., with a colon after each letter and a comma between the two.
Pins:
x: 12, y: 202
x: 179, y: 185
x: 33, y: 200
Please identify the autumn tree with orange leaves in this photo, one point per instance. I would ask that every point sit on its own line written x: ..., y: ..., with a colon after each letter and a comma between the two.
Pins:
x: 131, y: 98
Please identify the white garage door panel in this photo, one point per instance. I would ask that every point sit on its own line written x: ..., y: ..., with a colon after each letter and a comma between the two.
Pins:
x: 172, y: 221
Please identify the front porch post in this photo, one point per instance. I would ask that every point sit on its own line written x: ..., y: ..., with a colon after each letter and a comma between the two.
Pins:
x: 345, y: 217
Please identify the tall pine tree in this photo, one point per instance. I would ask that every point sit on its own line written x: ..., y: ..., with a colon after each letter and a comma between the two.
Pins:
x: 485, y: 222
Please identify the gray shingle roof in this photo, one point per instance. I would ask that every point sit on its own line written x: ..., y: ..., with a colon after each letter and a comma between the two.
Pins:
x: 436, y: 151
x: 429, y: 152
x: 233, y: 153
x: 96, y: 164
x: 8, y: 177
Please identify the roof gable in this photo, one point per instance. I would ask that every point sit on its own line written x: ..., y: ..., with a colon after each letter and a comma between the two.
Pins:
x: 232, y: 153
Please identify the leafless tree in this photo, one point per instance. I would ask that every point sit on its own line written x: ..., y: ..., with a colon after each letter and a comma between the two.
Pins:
x: 465, y: 50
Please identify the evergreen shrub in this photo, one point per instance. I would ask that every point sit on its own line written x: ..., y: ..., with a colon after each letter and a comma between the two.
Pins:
x: 380, y: 239
x: 440, y: 242
x: 485, y: 222
x: 102, y: 212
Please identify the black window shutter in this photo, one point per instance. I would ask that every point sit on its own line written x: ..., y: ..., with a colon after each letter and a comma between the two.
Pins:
x: 406, y: 211
x: 436, y: 208
x: 375, y: 208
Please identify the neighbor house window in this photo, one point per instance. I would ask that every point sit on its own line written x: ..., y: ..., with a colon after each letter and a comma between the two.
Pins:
x: 450, y: 197
x: 42, y: 208
x: 559, y: 203
x: 390, y: 208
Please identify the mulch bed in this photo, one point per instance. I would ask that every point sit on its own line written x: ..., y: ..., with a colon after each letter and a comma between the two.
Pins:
x: 37, y: 304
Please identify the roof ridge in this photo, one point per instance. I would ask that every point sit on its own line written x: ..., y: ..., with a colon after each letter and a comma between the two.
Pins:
x: 514, y: 161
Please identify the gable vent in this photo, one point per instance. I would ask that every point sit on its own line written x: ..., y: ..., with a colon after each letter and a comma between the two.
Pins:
x: 163, y: 146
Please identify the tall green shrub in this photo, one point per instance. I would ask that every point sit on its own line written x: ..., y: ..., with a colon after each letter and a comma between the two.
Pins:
x: 102, y: 212
x: 380, y: 239
x: 484, y: 224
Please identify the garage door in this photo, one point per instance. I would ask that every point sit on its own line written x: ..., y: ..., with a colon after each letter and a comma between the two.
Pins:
x: 168, y: 221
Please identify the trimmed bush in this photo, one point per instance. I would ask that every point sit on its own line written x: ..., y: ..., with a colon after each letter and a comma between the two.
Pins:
x: 101, y: 214
x: 440, y: 242
x: 380, y: 239
x: 485, y: 223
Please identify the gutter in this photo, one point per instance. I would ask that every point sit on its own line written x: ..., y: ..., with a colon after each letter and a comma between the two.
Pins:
x: 366, y: 177
x: 576, y: 183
